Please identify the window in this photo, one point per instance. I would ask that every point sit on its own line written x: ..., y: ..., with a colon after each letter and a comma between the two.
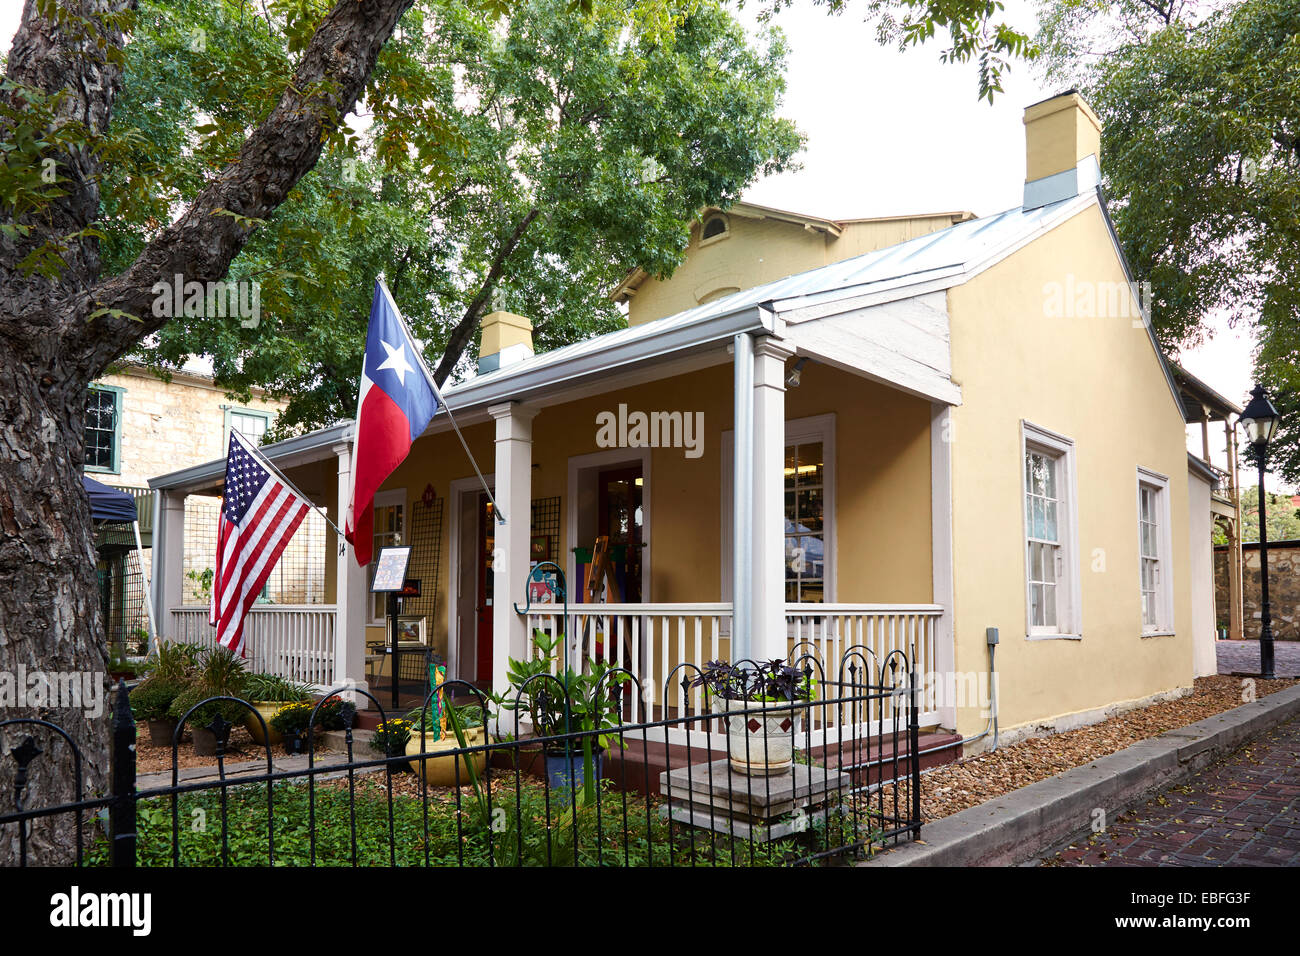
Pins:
x: 809, y: 509
x: 715, y: 226
x: 1051, y: 562
x: 805, y: 522
x: 1154, y: 583
x: 250, y: 423
x: 104, y: 429
x: 389, y: 529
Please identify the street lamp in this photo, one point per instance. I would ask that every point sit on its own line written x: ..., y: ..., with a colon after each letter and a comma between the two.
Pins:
x: 1259, y: 418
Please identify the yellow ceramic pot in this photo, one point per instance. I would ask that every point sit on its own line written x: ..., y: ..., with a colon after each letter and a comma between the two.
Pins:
x: 441, y: 771
x: 268, y: 709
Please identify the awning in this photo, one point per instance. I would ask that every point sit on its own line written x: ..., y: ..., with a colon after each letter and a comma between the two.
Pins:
x: 109, y: 504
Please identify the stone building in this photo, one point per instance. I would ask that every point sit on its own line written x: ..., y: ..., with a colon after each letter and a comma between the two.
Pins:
x: 139, y: 425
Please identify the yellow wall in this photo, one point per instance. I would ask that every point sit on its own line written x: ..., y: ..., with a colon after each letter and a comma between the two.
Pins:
x: 1096, y: 380
x: 757, y: 250
x: 882, y: 478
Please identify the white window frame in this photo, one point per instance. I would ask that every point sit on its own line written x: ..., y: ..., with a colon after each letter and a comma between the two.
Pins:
x: 1069, y: 597
x: 1158, y: 483
x: 383, y: 499
x: 797, y: 431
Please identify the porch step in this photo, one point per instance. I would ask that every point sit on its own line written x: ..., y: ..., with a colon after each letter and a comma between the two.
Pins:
x: 637, y: 768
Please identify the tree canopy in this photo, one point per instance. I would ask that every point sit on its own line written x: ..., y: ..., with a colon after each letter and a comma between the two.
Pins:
x: 524, y: 162
x: 1200, y: 105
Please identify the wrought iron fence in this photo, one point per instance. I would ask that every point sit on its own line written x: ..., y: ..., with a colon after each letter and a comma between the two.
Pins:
x: 551, y: 775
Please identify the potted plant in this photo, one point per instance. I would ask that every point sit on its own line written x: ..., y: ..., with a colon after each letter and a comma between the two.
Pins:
x: 267, y: 694
x: 447, y: 769
x: 585, y: 703
x: 390, y: 739
x: 219, y: 674
x: 291, y: 722
x: 151, y: 701
x: 758, y: 744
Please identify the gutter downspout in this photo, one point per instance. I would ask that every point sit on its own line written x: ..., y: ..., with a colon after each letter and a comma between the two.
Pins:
x: 742, y: 497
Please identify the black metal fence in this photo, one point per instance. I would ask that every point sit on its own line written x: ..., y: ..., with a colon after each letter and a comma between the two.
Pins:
x: 826, y: 780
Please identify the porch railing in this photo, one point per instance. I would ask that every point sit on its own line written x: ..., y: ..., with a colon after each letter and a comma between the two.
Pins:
x: 652, y: 640
x: 828, y: 630
x: 295, y: 641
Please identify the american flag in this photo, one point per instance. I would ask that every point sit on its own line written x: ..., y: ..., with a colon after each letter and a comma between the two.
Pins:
x: 259, y: 514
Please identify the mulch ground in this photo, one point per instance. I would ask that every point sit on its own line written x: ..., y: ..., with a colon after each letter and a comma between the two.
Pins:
x: 951, y: 788
x: 151, y: 759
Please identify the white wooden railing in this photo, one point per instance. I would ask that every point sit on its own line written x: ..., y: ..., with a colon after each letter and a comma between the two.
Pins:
x: 828, y: 631
x: 289, y: 640
x: 649, y: 640
x: 652, y: 641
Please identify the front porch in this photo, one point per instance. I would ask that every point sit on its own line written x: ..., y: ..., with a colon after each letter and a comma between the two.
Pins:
x: 748, y: 516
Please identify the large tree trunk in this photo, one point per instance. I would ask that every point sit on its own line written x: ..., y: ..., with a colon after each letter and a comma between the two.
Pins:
x: 58, y: 334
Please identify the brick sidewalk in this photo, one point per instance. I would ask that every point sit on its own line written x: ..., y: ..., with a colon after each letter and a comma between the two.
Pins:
x: 1244, y: 811
x: 1243, y: 657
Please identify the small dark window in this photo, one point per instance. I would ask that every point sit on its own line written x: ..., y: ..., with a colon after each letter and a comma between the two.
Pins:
x: 101, y: 429
x: 714, y: 226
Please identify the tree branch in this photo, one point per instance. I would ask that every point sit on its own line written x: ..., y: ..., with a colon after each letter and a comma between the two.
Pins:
x: 201, y: 244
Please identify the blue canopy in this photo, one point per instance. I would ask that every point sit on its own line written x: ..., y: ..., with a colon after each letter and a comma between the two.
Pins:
x: 108, y: 504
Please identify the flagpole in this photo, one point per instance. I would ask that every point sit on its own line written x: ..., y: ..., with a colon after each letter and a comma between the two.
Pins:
x: 442, y: 402
x: 292, y: 487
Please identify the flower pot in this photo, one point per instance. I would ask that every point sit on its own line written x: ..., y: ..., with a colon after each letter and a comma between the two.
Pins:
x: 567, y: 772
x: 268, y: 709
x: 441, y: 771
x: 205, y: 742
x: 296, y: 744
x: 759, y: 745
x: 161, y: 731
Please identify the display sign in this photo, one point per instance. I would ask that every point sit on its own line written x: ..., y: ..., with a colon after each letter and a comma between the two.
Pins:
x: 390, y: 571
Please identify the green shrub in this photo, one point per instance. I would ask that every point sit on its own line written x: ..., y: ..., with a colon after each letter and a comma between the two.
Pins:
x: 268, y: 687
x: 152, y: 698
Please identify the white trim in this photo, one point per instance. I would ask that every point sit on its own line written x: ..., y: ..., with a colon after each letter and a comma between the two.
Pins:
x: 943, y: 588
x: 822, y: 428
x: 458, y: 487
x: 1164, y: 542
x: 597, y: 459
x: 384, y: 499
x: 1069, y: 621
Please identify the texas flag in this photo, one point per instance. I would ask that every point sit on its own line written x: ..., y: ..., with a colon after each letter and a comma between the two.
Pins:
x: 396, y: 402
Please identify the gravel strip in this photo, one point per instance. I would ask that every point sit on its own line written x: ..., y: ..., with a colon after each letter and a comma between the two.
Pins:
x: 953, y: 787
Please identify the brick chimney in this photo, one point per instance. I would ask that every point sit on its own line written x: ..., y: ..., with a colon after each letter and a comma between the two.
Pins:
x: 507, y: 339
x: 1062, y: 149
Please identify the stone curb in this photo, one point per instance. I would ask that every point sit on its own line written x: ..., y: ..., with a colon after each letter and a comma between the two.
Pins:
x: 1018, y: 825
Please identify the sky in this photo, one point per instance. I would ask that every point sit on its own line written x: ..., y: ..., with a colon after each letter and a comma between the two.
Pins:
x: 893, y: 132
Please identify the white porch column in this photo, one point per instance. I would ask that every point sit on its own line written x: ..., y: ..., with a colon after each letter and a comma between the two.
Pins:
x: 514, y: 486
x: 168, y: 574
x: 349, y: 594
x: 945, y: 648
x: 767, y: 621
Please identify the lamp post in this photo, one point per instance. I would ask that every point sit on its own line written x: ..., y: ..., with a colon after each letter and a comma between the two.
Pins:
x: 1260, y: 420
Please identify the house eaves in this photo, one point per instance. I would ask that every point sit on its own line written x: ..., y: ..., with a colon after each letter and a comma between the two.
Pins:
x: 290, y: 453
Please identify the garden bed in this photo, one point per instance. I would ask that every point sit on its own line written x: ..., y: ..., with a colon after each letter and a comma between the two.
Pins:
x: 152, y: 759
x: 951, y: 788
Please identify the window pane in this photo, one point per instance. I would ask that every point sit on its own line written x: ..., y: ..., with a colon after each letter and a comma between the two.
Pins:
x: 1049, y: 530
x: 101, y: 428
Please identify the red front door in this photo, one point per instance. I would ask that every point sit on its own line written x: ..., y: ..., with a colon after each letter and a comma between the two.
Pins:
x: 487, y: 543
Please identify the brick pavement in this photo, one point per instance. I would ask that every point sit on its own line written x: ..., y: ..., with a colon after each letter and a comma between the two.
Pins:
x: 1243, y: 656
x: 1243, y: 811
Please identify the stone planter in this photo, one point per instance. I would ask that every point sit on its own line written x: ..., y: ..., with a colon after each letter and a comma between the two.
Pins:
x: 268, y: 709
x: 161, y: 732
x: 205, y: 742
x: 759, y: 745
x: 441, y: 771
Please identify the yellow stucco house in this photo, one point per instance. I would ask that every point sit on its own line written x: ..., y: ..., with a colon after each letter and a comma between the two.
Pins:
x: 945, y: 425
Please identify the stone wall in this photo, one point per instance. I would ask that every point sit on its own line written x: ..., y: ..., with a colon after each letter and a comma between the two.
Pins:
x: 1283, y: 588
x: 167, y: 426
